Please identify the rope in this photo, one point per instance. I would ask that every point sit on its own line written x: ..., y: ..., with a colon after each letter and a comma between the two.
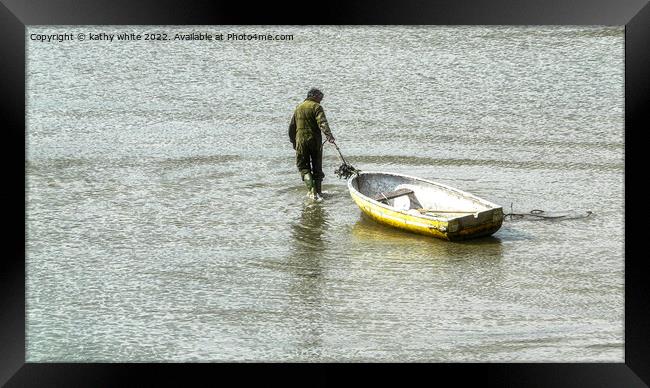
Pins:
x: 540, y: 215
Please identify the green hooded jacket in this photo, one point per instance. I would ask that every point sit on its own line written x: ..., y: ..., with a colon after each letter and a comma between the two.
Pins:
x: 307, y: 123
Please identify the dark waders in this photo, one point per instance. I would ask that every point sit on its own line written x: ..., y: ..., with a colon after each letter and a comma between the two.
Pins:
x: 309, y: 160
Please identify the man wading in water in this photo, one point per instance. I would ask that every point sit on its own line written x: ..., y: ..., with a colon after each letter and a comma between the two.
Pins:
x: 305, y: 134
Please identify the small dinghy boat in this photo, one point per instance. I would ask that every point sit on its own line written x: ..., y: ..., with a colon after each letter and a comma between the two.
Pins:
x: 423, y: 206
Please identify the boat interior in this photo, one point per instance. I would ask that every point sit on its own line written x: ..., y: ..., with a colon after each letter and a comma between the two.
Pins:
x: 417, y: 197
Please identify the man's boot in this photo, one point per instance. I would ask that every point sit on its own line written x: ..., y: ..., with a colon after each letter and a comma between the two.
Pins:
x: 317, y: 186
x: 309, y: 182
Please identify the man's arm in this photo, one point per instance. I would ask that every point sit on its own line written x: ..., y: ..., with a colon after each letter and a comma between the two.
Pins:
x: 292, y: 130
x: 321, y: 120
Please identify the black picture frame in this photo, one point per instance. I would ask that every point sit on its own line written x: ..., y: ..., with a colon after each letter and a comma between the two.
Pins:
x: 15, y: 15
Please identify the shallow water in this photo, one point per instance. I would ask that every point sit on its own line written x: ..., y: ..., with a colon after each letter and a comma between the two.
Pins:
x: 166, y: 220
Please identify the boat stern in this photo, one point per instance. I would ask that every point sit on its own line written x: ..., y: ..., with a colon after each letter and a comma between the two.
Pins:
x: 481, y: 224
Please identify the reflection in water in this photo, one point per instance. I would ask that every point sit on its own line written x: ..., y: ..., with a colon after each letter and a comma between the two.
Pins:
x: 472, y: 267
x: 369, y: 231
x: 305, y: 267
x: 307, y: 232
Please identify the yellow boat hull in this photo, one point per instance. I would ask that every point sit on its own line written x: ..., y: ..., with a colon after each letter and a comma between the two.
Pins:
x: 481, y: 223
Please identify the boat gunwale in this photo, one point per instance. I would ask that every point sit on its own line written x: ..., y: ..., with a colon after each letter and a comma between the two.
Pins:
x: 482, y: 201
